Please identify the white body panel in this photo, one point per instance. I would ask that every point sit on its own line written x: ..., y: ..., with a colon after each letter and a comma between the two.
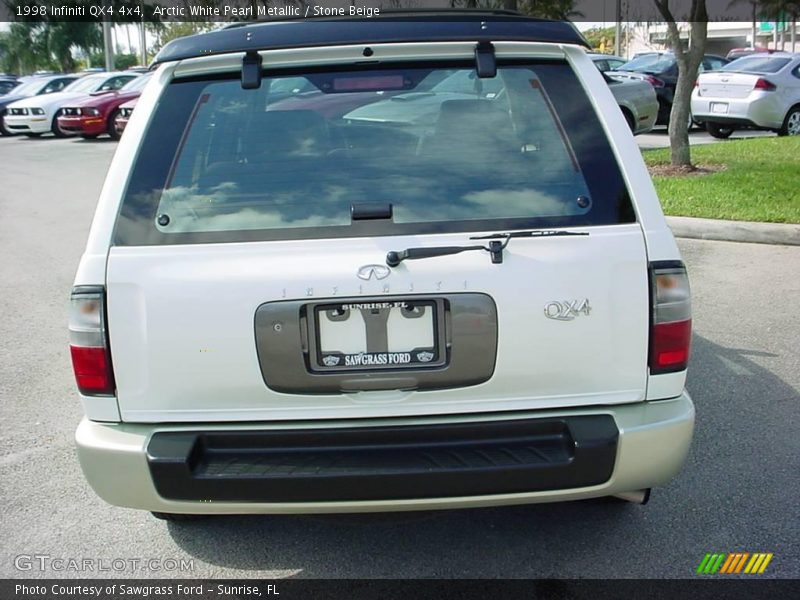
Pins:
x: 182, y: 333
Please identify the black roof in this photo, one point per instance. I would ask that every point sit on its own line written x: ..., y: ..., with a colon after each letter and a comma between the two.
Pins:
x: 420, y: 26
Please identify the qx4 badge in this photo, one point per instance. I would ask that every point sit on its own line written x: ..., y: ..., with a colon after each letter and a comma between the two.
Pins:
x: 566, y: 310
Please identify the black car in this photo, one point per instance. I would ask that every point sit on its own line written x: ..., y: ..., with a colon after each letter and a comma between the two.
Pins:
x: 661, y: 70
x: 7, y: 84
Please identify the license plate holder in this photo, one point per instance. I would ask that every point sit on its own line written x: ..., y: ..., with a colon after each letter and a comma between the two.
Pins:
x: 385, y: 334
x: 719, y: 108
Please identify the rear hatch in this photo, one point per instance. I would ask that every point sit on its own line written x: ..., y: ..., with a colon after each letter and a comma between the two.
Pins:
x: 249, y: 281
x: 726, y: 85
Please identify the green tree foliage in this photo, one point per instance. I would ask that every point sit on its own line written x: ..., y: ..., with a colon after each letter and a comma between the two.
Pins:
x: 62, y: 37
x: 31, y: 46
x: 50, y: 43
x: 166, y: 32
x: 121, y: 61
x: 600, y: 38
x: 24, y: 50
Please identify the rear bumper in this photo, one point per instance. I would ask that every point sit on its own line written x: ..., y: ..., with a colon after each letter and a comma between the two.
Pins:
x: 378, y: 466
x: 762, y: 111
x: 380, y: 463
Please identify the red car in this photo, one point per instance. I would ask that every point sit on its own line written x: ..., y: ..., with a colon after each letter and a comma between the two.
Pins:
x: 740, y: 52
x: 95, y: 114
x: 124, y: 113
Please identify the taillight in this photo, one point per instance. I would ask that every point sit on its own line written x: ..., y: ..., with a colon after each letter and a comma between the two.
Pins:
x: 671, y: 329
x: 764, y: 85
x: 88, y: 343
x: 655, y: 81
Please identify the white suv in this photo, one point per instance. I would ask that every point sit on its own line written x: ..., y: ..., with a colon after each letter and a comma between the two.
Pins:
x: 373, y: 292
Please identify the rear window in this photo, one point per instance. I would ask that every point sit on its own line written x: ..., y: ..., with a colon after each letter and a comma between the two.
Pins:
x: 756, y: 64
x: 649, y: 63
x: 447, y: 150
x: 85, y: 84
x: 137, y: 84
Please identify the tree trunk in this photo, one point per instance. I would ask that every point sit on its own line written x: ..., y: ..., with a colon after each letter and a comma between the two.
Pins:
x: 679, y: 118
x: 689, y: 60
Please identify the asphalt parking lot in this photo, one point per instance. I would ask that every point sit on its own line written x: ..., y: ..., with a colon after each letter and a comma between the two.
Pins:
x: 738, y: 491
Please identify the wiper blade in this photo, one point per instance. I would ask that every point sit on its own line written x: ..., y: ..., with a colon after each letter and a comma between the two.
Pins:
x: 534, y: 233
x: 495, y: 247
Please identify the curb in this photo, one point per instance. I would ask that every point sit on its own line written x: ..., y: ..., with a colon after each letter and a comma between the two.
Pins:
x: 735, y: 231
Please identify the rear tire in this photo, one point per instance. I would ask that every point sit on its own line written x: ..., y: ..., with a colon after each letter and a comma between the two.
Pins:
x: 721, y: 132
x: 791, y: 124
x: 3, y: 130
x: 629, y: 119
x: 111, y: 127
x: 177, y: 516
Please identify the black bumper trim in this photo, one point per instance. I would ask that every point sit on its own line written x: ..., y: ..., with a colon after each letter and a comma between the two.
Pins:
x: 721, y: 120
x: 384, y: 463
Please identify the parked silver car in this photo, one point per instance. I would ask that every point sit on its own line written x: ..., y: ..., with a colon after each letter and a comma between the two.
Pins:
x: 607, y: 62
x: 761, y: 92
x: 636, y: 98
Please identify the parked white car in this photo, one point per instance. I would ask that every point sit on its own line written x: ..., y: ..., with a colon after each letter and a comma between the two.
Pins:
x: 297, y: 310
x: 760, y: 91
x: 36, y: 115
x: 33, y: 86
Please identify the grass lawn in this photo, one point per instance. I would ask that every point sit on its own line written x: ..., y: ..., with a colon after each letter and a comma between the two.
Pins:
x: 760, y: 181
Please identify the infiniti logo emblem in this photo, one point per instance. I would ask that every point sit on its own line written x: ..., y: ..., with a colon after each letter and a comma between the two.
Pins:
x: 367, y: 272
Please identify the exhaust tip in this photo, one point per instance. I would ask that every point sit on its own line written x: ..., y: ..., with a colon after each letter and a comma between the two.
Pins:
x: 636, y: 496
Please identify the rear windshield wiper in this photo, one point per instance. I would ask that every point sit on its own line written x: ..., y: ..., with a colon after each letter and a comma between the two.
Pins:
x: 495, y: 247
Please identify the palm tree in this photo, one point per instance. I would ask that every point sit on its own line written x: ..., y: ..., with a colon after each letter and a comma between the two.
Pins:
x: 61, y: 37
x: 24, y: 52
x: 30, y: 46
